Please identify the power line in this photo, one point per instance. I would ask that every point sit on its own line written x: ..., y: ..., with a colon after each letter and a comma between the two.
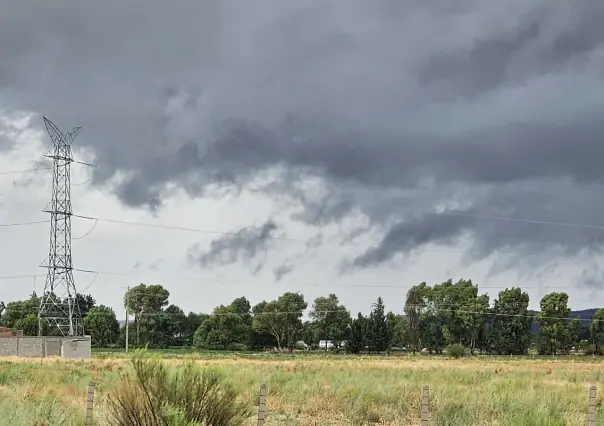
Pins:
x: 35, y: 222
x: 533, y: 221
x: 274, y: 283
x: 175, y: 228
x: 96, y: 222
x: 474, y: 216
x: 303, y: 311
x: 206, y: 231
x: 14, y: 172
x: 568, y: 259
x: 300, y: 240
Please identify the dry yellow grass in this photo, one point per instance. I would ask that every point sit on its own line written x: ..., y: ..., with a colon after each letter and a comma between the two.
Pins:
x: 336, y: 391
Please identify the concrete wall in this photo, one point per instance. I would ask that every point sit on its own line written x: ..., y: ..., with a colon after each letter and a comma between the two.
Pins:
x: 76, y: 348
x: 52, y: 347
x: 68, y: 347
x: 30, y: 346
x: 9, y: 346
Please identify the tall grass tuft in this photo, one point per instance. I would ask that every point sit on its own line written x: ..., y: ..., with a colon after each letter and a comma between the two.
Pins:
x: 153, y: 395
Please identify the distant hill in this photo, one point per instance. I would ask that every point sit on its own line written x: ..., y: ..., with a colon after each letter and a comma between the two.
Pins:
x: 584, y: 315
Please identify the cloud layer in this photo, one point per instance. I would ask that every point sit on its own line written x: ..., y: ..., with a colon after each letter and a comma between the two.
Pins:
x: 245, y: 245
x: 401, y: 110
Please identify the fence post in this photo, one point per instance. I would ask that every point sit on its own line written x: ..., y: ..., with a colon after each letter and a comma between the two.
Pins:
x: 425, y: 405
x: 262, y: 405
x: 90, y: 403
x: 591, y: 408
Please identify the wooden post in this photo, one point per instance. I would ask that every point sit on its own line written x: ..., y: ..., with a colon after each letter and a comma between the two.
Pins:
x: 90, y: 404
x: 262, y: 405
x: 425, y: 405
x: 591, y: 408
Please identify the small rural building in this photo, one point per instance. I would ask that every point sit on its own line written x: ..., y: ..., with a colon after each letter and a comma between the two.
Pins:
x: 10, y: 332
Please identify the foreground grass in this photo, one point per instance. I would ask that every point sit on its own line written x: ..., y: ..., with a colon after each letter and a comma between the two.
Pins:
x: 331, y: 391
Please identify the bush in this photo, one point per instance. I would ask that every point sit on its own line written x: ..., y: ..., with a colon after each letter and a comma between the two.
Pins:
x: 237, y: 347
x: 456, y: 350
x: 591, y: 350
x: 151, y: 395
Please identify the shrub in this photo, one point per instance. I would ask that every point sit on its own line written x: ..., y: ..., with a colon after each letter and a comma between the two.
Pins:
x: 456, y: 350
x: 237, y: 347
x: 591, y: 350
x: 152, y: 395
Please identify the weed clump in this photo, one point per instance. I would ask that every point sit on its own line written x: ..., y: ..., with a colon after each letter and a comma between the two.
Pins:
x: 153, y: 395
x: 456, y: 350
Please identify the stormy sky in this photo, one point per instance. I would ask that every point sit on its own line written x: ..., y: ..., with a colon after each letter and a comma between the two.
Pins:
x: 338, y: 143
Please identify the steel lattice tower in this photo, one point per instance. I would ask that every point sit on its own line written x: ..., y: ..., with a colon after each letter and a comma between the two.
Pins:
x: 59, y: 308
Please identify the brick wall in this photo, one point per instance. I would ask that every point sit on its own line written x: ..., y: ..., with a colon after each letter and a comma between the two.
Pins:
x: 10, y: 332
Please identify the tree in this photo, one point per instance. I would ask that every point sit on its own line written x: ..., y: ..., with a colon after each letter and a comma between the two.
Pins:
x: 596, y: 330
x: 243, y: 327
x: 332, y: 320
x: 30, y: 325
x: 259, y: 338
x: 281, y: 319
x: 175, y: 332
x: 455, y: 305
x: 474, y: 317
x: 399, y: 330
x: 511, y: 326
x: 415, y: 306
x: 227, y: 328
x: 19, y: 310
x: 85, y: 302
x: 145, y: 303
x: 356, y: 343
x: 103, y: 326
x: 432, y: 325
x: 553, y: 320
x: 380, y: 337
x: 309, y: 333
x: 573, y: 334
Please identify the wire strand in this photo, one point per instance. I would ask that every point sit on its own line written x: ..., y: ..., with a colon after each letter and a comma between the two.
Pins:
x: 221, y: 280
x: 91, y: 283
x: 8, y: 225
x: 302, y: 312
x: 474, y: 216
x: 568, y: 259
x: 96, y: 222
x: 14, y: 172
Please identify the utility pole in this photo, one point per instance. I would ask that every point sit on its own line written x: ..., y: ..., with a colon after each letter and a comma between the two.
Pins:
x: 127, y: 319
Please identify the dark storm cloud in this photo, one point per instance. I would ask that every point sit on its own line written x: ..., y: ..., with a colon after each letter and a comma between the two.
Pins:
x: 244, y: 245
x: 401, y: 109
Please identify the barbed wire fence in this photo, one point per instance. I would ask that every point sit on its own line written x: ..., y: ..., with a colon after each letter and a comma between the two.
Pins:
x: 423, y: 416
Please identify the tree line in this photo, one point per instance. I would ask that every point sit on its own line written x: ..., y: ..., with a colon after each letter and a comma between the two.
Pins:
x: 432, y: 318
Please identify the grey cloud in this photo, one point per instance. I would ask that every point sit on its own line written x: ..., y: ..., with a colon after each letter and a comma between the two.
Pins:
x: 314, y: 242
x: 397, y: 108
x: 283, y: 270
x: 154, y: 265
x: 404, y: 236
x: 591, y: 278
x: 244, y: 245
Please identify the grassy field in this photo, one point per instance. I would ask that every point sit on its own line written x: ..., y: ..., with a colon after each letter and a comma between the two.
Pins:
x: 309, y: 390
